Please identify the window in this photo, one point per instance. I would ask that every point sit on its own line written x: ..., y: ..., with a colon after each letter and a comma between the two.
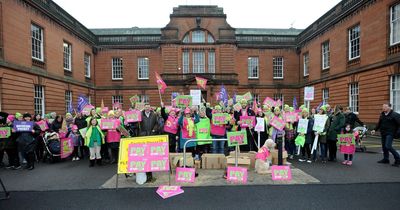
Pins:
x: 117, y: 68
x: 198, y: 62
x: 68, y: 101
x: 353, y: 97
x: 86, y: 60
x: 279, y: 96
x: 354, y: 42
x: 144, y: 98
x: 278, y: 67
x: 395, y: 92
x: 67, y: 56
x: 211, y: 62
x: 185, y: 61
x: 37, y: 42
x: 306, y: 59
x: 395, y: 24
x: 252, y: 66
x: 39, y: 100
x: 325, y: 56
x: 325, y: 96
x: 198, y: 36
x: 143, y: 68
x: 210, y: 39
x: 116, y: 99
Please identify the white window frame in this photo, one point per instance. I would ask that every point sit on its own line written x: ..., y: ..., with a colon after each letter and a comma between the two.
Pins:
x: 117, y: 98
x: 185, y: 61
x: 253, y: 68
x: 394, y: 22
x: 325, y: 96
x: 277, y: 66
x: 198, y: 36
x: 210, y: 38
x: 67, y: 55
x: 117, y: 66
x: 144, y: 98
x: 39, y: 100
x: 198, y: 61
x: 143, y: 68
x: 37, y: 51
x: 354, y: 42
x: 354, y: 97
x: 278, y: 96
x: 68, y: 100
x: 326, y: 55
x: 395, y: 92
x: 306, y: 64
x: 87, y: 63
x: 211, y: 61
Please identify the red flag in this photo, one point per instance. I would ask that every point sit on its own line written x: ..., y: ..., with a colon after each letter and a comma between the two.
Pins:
x: 255, y: 107
x: 160, y: 83
x: 201, y: 82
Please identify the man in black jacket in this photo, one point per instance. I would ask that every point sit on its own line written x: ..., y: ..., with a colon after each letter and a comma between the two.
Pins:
x: 388, y: 124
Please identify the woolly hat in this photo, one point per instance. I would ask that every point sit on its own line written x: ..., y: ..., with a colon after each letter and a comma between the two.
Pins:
x: 187, y: 110
x: 291, y: 109
x: 27, y: 115
x: 10, y: 118
x: 305, y: 110
x: 68, y: 115
x: 323, y: 108
x: 74, y: 127
x: 217, y: 107
x: 243, y: 101
x: 286, y: 106
x: 18, y: 115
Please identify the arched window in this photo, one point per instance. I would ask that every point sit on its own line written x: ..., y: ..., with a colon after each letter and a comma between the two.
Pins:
x: 198, y: 36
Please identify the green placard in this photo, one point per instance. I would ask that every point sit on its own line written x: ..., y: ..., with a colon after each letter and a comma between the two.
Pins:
x: 5, y: 132
x: 346, y: 139
x: 220, y: 119
x: 237, y: 138
x: 183, y: 101
x: 248, y: 96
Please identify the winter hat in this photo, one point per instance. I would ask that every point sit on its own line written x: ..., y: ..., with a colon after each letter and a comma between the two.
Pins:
x: 286, y: 107
x: 323, y: 108
x: 243, y: 101
x: 74, y: 127
x: 68, y: 115
x: 291, y: 109
x: 27, y: 115
x: 187, y: 110
x: 305, y: 110
x: 18, y: 115
x: 217, y: 107
x: 10, y: 118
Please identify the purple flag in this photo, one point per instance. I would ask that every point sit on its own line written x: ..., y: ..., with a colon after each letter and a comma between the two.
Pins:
x: 82, y: 102
x: 223, y: 95
x: 294, y: 103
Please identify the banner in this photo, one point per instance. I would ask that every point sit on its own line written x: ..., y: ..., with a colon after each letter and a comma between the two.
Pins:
x: 319, y: 122
x: 196, y: 97
x: 183, y: 101
x: 237, y: 138
x: 260, y: 124
x: 237, y: 107
x: 291, y: 117
x: 220, y: 118
x: 277, y: 123
x: 302, y: 126
x: 347, y: 143
x: 166, y: 191
x: 237, y: 174
x: 185, y: 175
x: 201, y: 82
x: 281, y: 173
x: 108, y: 124
x: 134, y: 99
x: 143, y: 154
x: 86, y: 109
x: 247, y: 121
x: 66, y: 147
x: 43, y: 125
x: 133, y: 116
x: 5, y: 132
x: 248, y: 96
x: 308, y: 93
x: 269, y: 101
x: 23, y: 126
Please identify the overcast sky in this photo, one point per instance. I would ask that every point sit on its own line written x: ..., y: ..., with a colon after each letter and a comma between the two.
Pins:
x: 155, y: 13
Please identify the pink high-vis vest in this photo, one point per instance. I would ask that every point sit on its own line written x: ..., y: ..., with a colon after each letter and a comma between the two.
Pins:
x: 218, y: 130
x: 171, y: 125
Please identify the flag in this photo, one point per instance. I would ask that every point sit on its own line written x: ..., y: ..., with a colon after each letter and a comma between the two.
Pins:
x: 294, y: 103
x: 160, y: 83
x: 102, y: 104
x: 201, y: 82
x: 234, y: 98
x: 319, y: 106
x: 223, y: 95
x: 70, y: 108
x: 255, y: 107
x: 82, y: 102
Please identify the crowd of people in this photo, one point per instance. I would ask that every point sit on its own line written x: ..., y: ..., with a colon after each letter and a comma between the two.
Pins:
x: 181, y: 124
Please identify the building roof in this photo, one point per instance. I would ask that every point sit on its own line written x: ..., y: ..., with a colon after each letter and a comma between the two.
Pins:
x: 126, y: 31
x: 268, y: 31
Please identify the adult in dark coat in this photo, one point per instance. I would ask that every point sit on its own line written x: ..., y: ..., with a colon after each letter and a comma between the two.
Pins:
x: 56, y: 125
x: 80, y: 122
x: 337, y: 122
x: 389, y: 122
x: 251, y: 146
x: 352, y: 118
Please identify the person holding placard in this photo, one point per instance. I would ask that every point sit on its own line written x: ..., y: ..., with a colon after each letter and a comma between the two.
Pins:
x: 10, y: 144
x: 218, y: 131
x: 309, y: 137
x: 187, y: 122
x: 245, y: 111
x: 80, y: 121
x: 113, y: 137
x: 273, y: 132
x: 94, y: 139
x: 170, y: 126
x: 263, y: 134
x: 39, y: 139
x: 74, y: 135
x: 336, y: 125
x: 290, y: 129
x: 203, y: 131
x: 322, y: 138
x: 349, y: 148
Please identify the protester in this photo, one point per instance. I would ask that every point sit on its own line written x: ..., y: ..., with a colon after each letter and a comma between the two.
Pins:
x: 81, y: 123
x: 203, y: 131
x: 217, y: 131
x: 245, y: 111
x: 349, y: 149
x: 322, y: 137
x: 56, y: 125
x: 39, y: 139
x: 170, y: 126
x: 113, y: 137
x: 309, y: 137
x: 94, y: 139
x: 75, y: 137
x: 352, y: 118
x: 336, y: 125
x: 388, y: 124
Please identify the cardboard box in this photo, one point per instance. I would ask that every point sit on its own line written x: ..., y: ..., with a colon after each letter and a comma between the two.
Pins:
x: 177, y: 159
x: 274, y: 155
x: 242, y: 161
x: 251, y: 155
x: 213, y: 161
x: 197, y: 164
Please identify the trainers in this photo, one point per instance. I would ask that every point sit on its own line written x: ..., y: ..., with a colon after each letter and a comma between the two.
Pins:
x: 309, y: 161
x: 345, y: 162
x: 77, y: 158
x: 10, y: 167
x: 17, y: 167
x: 349, y: 163
x: 302, y: 160
x: 73, y: 159
x: 384, y: 161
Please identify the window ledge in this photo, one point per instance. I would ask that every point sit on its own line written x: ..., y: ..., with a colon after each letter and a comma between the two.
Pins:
x: 117, y: 79
x: 278, y: 78
x: 252, y: 78
x: 67, y: 72
x: 38, y: 63
x: 354, y: 61
x: 326, y: 69
x: 143, y: 79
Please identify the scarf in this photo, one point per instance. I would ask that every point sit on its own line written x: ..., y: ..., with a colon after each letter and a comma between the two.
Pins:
x: 190, y: 126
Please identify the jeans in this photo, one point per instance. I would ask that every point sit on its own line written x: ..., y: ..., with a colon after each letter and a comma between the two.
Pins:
x: 387, y: 141
x: 218, y: 146
x: 322, y: 146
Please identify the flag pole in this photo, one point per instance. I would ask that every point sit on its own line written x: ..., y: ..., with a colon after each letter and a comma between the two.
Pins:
x: 159, y: 93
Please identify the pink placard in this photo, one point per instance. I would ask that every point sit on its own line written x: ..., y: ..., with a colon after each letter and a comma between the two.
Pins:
x: 282, y: 173
x: 166, y: 191
x: 137, y: 150
x: 291, y: 117
x: 277, y: 123
x: 185, y: 175
x: 66, y: 147
x: 104, y: 110
x: 43, y: 125
x: 157, y: 149
x: 133, y: 116
x: 137, y: 165
x: 269, y: 101
x: 247, y: 121
x: 86, y: 109
x: 108, y: 124
x: 237, y: 174
x: 158, y: 164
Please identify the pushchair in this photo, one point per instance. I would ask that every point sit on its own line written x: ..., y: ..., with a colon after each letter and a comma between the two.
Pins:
x: 362, y: 133
x: 52, y: 147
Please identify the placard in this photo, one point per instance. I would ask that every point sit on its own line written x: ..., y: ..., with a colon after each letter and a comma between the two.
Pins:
x: 247, y: 121
x: 237, y: 174
x: 220, y: 118
x: 309, y: 93
x: 248, y: 96
x: 134, y: 99
x: 183, y: 101
x: 23, y: 126
x: 302, y: 126
x: 43, y: 125
x: 185, y: 175
x: 237, y: 138
x: 238, y: 98
x: 108, y: 124
x: 237, y: 107
x: 166, y: 191
x: 86, y: 109
x: 104, y: 110
x: 196, y: 97
x: 133, y: 116
x: 319, y: 122
x: 66, y: 147
x: 83, y: 132
x: 139, y: 106
x: 269, y: 101
x: 281, y: 173
x: 277, y: 123
x: 5, y: 132
x: 347, y: 143
x: 143, y: 154
x: 260, y: 125
x: 291, y: 117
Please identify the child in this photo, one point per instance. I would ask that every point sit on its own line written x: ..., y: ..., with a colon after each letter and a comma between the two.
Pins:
x: 348, y: 149
x: 74, y: 135
x: 94, y: 139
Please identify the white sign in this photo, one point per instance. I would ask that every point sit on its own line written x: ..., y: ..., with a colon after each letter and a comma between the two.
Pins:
x: 196, y: 97
x: 309, y: 93
x: 319, y: 122
x: 260, y: 125
x: 302, y: 126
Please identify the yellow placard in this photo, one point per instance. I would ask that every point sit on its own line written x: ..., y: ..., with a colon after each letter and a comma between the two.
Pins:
x: 124, y: 146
